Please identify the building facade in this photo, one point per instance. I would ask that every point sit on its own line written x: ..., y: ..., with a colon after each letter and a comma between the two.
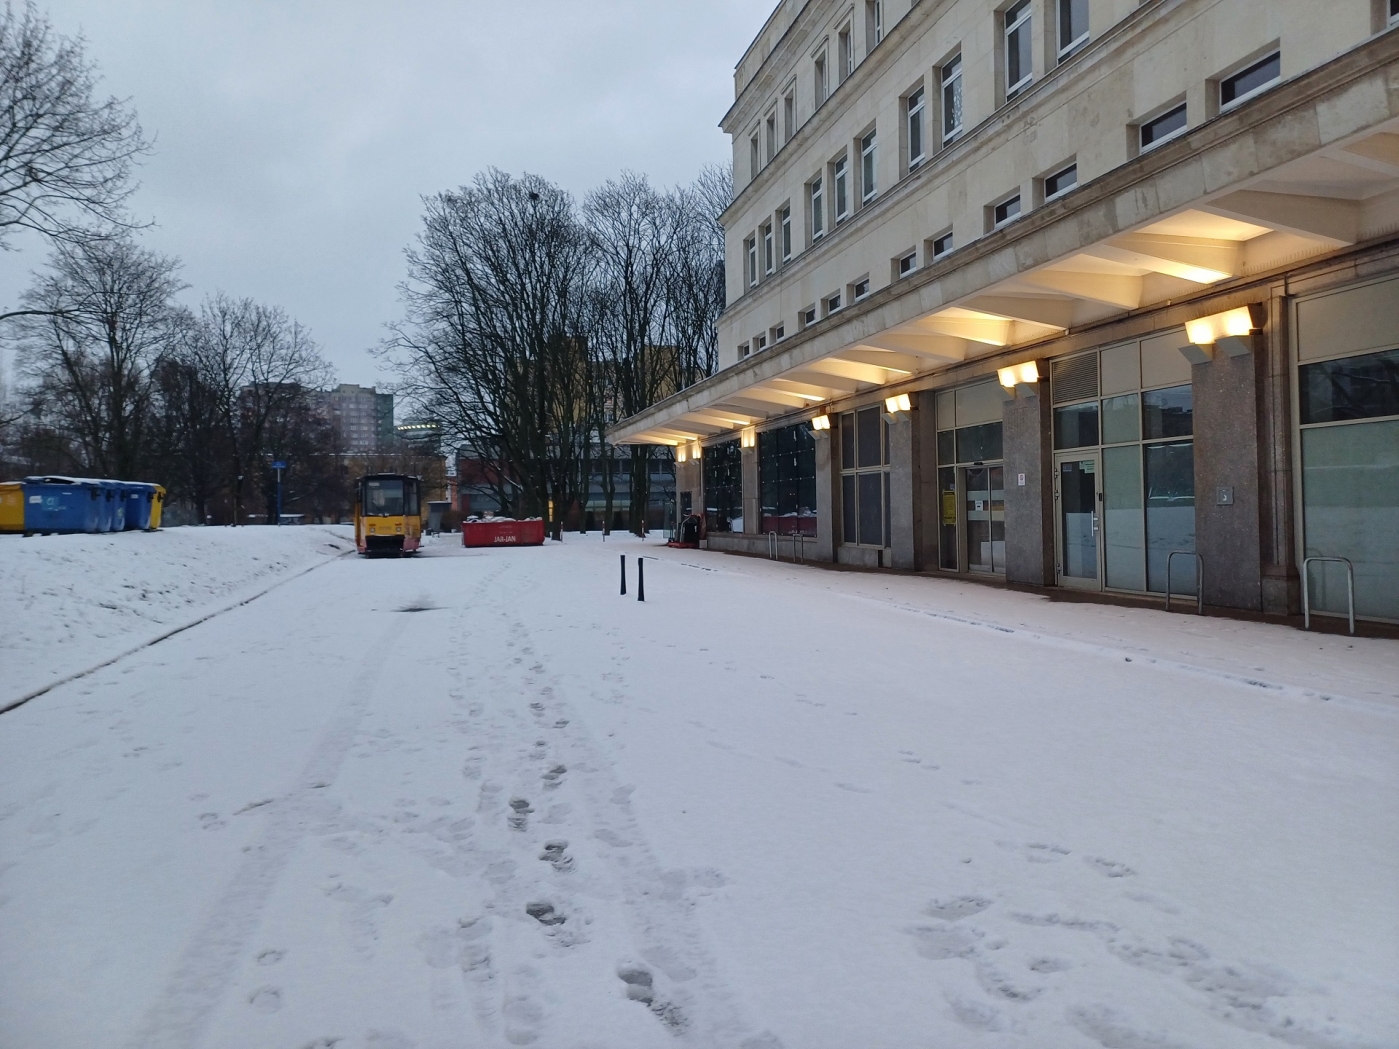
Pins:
x: 1092, y: 294
x: 363, y: 417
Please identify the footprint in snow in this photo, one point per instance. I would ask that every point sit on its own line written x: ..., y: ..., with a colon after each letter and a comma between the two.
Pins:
x: 554, y: 776
x: 554, y: 853
x: 1109, y: 868
x: 271, y: 956
x: 266, y: 999
x: 519, y: 818
x: 957, y: 907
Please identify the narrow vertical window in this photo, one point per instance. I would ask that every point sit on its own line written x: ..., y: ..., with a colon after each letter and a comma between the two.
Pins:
x: 915, y: 128
x: 786, y: 218
x: 818, y: 214
x: 820, y: 78
x: 789, y: 117
x: 867, y: 185
x: 1073, y: 26
x: 751, y: 246
x: 874, y: 23
x: 845, y: 53
x: 755, y: 158
x: 769, y: 254
x: 842, y: 194
x: 1019, y: 63
x: 952, y: 99
x: 772, y: 134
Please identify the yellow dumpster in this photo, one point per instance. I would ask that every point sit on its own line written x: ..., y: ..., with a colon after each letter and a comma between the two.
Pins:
x: 11, y: 506
x: 156, y: 504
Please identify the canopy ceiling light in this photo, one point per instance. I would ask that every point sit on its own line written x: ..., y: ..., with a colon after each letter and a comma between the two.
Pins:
x: 898, y: 403
x: 1228, y: 331
x: 748, y: 437
x: 1021, y: 378
x: 821, y: 422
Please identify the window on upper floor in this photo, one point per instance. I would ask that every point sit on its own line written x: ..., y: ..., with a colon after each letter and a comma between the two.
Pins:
x: 1160, y: 129
x: 913, y: 114
x: 1060, y: 182
x: 867, y: 168
x: 750, y: 251
x: 874, y: 24
x: 845, y: 52
x: 760, y: 342
x: 770, y: 126
x: 906, y: 264
x: 1018, y: 56
x: 941, y: 245
x: 1005, y: 212
x: 769, y: 250
x: 755, y: 157
x: 859, y: 289
x: 789, y: 114
x: 1393, y: 12
x: 818, y: 209
x: 832, y: 303
x: 784, y: 217
x: 1248, y: 82
x: 841, y: 178
x: 1073, y: 26
x: 808, y: 316
x: 778, y: 332
x: 952, y: 99
x: 743, y: 350
x: 819, y: 77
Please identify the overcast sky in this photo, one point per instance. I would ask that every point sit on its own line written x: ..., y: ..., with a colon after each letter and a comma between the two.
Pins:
x: 294, y: 139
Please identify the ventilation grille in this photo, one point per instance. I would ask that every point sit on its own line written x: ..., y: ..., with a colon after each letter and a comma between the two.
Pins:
x: 1075, y: 379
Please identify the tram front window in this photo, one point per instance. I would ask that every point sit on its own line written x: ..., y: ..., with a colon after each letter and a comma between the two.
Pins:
x: 383, y: 498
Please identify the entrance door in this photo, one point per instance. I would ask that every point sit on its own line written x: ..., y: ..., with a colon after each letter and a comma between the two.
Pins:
x: 1078, y: 519
x: 984, y: 510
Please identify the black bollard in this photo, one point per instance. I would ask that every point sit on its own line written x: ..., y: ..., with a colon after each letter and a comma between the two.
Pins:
x: 640, y: 579
x: 624, y: 574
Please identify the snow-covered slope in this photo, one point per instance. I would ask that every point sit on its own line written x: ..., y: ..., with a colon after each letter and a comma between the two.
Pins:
x: 70, y: 601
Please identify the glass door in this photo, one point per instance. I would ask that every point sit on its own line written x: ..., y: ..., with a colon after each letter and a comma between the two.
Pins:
x: 984, y: 510
x: 1078, y: 522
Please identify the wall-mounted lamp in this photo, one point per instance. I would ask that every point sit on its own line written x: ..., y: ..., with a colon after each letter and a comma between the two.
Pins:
x: 821, y: 422
x: 681, y: 453
x: 695, y: 450
x: 748, y: 437
x: 1228, y: 331
x: 898, y: 403
x: 1020, y: 378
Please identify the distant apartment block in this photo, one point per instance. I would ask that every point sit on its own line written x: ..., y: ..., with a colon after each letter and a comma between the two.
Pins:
x: 363, y: 417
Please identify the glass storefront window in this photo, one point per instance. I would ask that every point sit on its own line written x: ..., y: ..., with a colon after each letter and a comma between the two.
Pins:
x: 787, y: 480
x: 1170, y: 513
x: 864, y: 484
x: 1168, y: 413
x: 1124, y: 541
x: 722, y: 465
x: 971, y: 480
x: 1362, y: 387
x: 977, y: 444
x: 1076, y: 426
x: 947, y: 511
x: 1122, y: 419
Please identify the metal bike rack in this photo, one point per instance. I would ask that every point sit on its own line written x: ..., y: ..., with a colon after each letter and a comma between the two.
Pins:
x: 1199, y: 579
x: 798, y: 547
x: 772, y: 546
x: 1306, y: 589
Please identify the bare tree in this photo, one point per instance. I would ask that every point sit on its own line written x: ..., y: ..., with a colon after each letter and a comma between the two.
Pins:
x: 97, y: 324
x: 635, y: 233
x: 490, y: 346
x: 65, y: 156
x: 694, y: 295
x: 260, y: 367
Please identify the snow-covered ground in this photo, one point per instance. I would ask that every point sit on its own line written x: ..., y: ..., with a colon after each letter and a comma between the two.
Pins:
x: 69, y: 601
x: 478, y: 799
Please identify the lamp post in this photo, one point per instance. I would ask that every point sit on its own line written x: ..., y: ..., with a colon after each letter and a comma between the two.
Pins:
x: 279, y: 466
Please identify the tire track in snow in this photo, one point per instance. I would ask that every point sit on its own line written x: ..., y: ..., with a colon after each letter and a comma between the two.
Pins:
x: 180, y: 1016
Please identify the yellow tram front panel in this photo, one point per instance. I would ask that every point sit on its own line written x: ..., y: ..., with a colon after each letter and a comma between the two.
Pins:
x: 388, y: 517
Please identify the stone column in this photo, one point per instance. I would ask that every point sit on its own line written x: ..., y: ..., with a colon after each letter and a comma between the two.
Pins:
x: 1281, y: 589
x: 1226, y: 480
x: 827, y: 492
x: 905, y: 510
x: 752, y: 514
x: 1029, y: 454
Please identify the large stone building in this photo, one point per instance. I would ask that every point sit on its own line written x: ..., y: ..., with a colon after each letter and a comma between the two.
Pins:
x: 1052, y: 289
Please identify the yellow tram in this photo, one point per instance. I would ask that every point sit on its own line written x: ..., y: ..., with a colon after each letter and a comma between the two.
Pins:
x: 388, y: 514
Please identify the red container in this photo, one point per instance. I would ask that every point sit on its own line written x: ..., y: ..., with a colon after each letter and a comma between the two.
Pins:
x: 496, y: 532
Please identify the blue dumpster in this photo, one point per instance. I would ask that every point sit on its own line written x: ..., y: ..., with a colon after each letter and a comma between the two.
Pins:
x: 115, y: 505
x: 62, y: 504
x: 140, y: 496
